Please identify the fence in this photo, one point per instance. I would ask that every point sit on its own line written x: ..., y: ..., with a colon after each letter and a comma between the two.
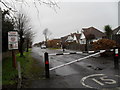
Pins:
x: 79, y: 47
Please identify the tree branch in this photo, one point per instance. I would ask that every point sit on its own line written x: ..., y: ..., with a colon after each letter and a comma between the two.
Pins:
x: 7, y: 6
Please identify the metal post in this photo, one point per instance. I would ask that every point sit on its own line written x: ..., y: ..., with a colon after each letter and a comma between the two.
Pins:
x: 46, y: 65
x: 116, y: 58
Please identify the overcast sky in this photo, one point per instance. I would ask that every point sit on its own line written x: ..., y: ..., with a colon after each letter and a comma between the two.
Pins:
x: 72, y: 16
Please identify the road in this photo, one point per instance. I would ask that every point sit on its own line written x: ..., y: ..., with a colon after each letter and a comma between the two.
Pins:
x: 94, y: 72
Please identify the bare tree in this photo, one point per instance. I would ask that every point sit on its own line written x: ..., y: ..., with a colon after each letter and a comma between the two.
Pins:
x: 11, y: 5
x: 21, y: 22
x: 28, y: 39
x: 23, y: 26
x: 46, y: 33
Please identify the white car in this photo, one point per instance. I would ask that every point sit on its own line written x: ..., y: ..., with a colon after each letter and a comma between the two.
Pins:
x: 43, y: 47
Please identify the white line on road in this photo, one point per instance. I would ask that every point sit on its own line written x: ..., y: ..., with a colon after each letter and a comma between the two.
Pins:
x: 84, y: 78
x: 102, y: 79
x: 97, y: 82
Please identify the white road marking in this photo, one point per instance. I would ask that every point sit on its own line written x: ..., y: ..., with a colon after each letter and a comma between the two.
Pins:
x: 117, y: 75
x: 97, y: 81
x: 108, y: 81
x: 103, y: 78
x: 84, y: 78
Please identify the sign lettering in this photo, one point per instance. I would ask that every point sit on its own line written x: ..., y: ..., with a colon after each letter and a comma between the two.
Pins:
x: 12, y: 40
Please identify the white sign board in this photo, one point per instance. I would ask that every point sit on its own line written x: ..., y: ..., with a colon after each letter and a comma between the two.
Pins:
x: 12, y: 40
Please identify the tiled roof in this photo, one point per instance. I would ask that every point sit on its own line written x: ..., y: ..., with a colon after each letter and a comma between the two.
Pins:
x: 77, y: 35
x: 116, y: 30
x: 86, y: 31
x: 94, y: 31
x: 72, y: 34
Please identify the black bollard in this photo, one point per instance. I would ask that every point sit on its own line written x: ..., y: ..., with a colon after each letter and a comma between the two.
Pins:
x: 116, y: 58
x: 46, y: 65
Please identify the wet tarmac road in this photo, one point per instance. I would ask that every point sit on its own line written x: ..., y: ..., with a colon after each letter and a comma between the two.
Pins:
x: 94, y: 72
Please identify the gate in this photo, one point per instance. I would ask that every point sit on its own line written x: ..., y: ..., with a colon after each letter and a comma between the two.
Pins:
x: 93, y: 53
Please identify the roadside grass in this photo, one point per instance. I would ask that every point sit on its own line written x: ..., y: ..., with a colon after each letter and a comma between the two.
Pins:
x: 9, y: 73
x: 29, y: 69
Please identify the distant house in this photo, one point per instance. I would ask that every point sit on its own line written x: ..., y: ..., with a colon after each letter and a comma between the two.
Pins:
x: 116, y: 34
x: 116, y: 31
x: 54, y: 43
x: 92, y: 34
x: 69, y: 39
x: 76, y: 37
x: 63, y: 39
x: 73, y: 37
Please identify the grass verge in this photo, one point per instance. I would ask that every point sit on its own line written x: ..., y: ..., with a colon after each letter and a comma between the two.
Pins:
x: 30, y: 69
x: 9, y: 74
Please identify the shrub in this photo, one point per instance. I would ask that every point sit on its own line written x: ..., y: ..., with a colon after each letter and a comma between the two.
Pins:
x: 103, y: 44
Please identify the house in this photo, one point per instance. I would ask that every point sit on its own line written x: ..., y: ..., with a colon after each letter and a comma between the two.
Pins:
x: 63, y: 39
x: 54, y: 43
x: 116, y: 31
x: 76, y: 37
x: 116, y: 34
x: 90, y: 34
x: 73, y: 37
x: 69, y: 39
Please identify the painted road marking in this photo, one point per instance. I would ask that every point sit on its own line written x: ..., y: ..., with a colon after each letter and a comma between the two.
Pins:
x: 108, y: 81
x: 98, y: 79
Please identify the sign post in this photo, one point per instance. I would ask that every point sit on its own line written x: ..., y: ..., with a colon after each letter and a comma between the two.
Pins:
x: 14, y: 58
x: 46, y: 65
x: 13, y: 44
x: 116, y: 58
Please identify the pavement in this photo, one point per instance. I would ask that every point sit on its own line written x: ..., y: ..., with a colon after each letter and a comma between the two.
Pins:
x: 92, y: 73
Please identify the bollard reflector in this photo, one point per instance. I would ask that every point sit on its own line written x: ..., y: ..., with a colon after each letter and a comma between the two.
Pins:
x: 46, y: 62
x: 116, y: 55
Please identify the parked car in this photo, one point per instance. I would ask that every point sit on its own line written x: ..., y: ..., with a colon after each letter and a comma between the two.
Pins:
x: 43, y: 47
